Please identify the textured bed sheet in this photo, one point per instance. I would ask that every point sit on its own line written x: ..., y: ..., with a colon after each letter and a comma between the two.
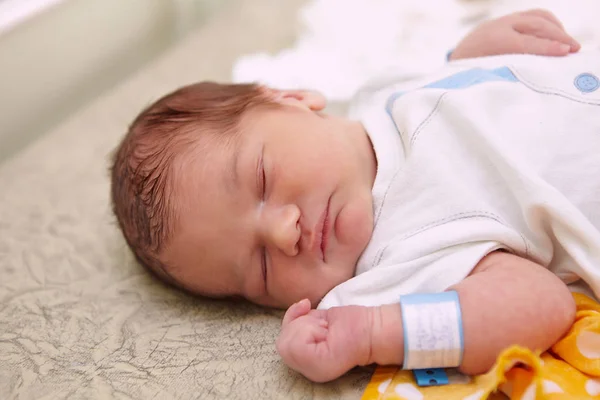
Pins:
x: 78, y: 317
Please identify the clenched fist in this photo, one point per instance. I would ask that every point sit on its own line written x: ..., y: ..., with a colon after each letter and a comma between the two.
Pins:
x: 324, y: 344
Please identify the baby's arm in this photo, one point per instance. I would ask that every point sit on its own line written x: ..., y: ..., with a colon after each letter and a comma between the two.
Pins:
x: 506, y: 300
x: 530, y: 32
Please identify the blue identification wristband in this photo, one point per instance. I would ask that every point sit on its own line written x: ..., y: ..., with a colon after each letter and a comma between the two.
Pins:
x: 433, y: 331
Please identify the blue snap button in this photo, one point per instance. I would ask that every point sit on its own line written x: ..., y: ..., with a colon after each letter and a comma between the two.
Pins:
x: 431, y: 377
x: 587, y: 83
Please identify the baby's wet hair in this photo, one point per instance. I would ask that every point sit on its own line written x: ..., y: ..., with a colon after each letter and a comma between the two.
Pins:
x: 142, y: 190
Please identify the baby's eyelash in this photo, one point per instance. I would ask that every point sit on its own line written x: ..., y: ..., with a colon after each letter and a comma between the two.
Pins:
x: 262, y: 183
x: 260, y: 176
x: 264, y: 264
x: 264, y: 179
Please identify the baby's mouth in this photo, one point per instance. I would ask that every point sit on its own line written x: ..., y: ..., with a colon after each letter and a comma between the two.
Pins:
x: 325, y: 231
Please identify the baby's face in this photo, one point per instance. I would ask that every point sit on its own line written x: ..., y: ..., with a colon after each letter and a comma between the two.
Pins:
x: 281, y: 214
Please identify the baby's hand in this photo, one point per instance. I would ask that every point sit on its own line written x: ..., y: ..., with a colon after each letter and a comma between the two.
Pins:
x: 324, y: 344
x: 530, y: 32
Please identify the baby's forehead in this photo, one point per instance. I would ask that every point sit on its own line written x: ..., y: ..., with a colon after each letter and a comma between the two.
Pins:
x: 209, y: 148
x: 202, y: 269
x: 213, y: 161
x: 200, y: 174
x: 207, y: 246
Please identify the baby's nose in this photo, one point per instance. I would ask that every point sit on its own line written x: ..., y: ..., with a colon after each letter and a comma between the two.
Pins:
x: 283, y: 229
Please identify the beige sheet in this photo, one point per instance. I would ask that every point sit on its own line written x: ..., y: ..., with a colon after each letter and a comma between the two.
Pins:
x: 78, y: 318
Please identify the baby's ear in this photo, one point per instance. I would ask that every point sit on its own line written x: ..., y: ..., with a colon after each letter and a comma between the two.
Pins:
x: 308, y: 99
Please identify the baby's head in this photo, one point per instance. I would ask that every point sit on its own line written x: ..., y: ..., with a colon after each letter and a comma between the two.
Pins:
x: 240, y: 190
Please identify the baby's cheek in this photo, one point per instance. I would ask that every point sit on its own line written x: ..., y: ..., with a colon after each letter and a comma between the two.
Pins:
x: 294, y: 282
x: 354, y: 226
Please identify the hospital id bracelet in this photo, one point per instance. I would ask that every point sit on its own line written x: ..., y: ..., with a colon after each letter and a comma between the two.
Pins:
x: 433, y: 331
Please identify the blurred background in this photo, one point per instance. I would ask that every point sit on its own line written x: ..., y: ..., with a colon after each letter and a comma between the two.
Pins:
x: 57, y: 55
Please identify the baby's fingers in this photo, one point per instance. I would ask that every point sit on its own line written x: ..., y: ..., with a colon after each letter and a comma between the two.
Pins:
x: 544, y: 47
x: 540, y: 28
x: 296, y: 310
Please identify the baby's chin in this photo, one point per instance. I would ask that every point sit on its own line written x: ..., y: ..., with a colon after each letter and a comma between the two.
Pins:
x: 315, y: 294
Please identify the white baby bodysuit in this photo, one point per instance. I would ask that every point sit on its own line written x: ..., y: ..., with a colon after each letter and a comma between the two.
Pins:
x: 492, y: 153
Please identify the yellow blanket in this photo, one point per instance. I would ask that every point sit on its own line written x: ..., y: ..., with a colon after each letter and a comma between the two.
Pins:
x: 570, y: 370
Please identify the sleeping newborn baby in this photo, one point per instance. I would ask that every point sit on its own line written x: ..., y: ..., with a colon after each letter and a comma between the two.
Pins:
x: 438, y: 225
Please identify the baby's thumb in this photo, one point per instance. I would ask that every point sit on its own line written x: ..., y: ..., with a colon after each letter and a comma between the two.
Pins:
x: 296, y: 310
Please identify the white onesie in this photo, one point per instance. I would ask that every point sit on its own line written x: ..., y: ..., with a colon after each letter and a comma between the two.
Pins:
x: 492, y: 153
